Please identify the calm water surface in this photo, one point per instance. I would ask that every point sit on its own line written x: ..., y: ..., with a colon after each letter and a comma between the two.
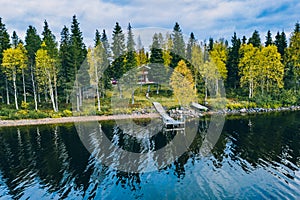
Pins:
x: 256, y: 157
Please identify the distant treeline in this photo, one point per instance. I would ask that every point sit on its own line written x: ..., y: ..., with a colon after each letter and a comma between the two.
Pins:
x: 40, y: 72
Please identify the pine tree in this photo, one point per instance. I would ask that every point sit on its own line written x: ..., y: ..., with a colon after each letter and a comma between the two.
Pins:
x: 292, y: 60
x: 4, y: 44
x: 244, y: 40
x: 32, y: 44
x: 49, y: 39
x: 233, y: 62
x: 97, y: 39
x: 118, y: 49
x: 210, y: 44
x: 106, y: 62
x: 269, y: 40
x: 191, y: 43
x: 15, y: 39
x: 78, y: 54
x: 178, y: 48
x: 255, y: 39
x: 66, y: 70
x: 281, y: 43
x: 131, y: 61
x: 157, y: 71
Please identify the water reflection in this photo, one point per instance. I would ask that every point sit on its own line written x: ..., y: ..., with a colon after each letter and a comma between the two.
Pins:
x: 261, y: 160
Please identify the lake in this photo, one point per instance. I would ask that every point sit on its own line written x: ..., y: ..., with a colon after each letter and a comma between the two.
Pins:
x: 255, y: 157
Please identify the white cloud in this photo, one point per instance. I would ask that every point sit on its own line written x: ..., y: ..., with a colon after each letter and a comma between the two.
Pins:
x: 216, y: 18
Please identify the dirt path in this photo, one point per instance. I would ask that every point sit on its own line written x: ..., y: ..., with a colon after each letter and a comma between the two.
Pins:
x: 25, y: 122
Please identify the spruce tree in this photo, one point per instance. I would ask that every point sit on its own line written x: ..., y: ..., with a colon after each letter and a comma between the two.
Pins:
x: 118, y: 49
x: 4, y: 44
x: 32, y: 44
x: 50, y: 41
x: 131, y: 61
x: 191, y: 43
x: 281, y: 43
x: 178, y: 49
x: 269, y: 40
x: 292, y: 61
x: 97, y: 39
x: 233, y: 62
x: 66, y: 70
x: 255, y: 39
x: 15, y: 39
x: 106, y: 62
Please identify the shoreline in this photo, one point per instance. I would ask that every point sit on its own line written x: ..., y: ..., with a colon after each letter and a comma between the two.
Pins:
x: 63, y: 120
x: 73, y: 119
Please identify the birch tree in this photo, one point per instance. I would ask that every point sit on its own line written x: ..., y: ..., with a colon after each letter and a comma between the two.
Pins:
x: 14, y: 60
x: 47, y: 73
x: 96, y: 68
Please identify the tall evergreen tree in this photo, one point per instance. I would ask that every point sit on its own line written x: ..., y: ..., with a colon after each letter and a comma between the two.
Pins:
x: 189, y: 47
x: 97, y: 39
x: 32, y: 44
x: 210, y: 44
x: 106, y: 60
x: 15, y: 39
x: 292, y: 61
x: 50, y: 41
x: 157, y: 72
x: 233, y: 62
x: 255, y: 39
x: 78, y: 54
x: 281, y: 42
x: 118, y: 49
x: 4, y: 44
x: 131, y: 61
x: 244, y: 40
x: 178, y: 48
x: 269, y: 40
x: 66, y: 70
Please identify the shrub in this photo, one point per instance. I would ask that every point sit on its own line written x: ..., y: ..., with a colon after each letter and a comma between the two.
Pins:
x: 24, y: 105
x: 67, y: 113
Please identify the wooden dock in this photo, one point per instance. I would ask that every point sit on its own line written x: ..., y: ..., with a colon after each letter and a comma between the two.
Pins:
x: 168, y: 121
x: 198, y: 106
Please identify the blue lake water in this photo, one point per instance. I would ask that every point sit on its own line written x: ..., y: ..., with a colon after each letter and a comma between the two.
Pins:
x: 255, y: 157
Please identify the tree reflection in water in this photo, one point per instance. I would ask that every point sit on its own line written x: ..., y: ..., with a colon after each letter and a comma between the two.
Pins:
x: 50, y: 161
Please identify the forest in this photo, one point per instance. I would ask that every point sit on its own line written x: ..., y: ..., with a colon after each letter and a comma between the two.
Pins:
x: 37, y: 75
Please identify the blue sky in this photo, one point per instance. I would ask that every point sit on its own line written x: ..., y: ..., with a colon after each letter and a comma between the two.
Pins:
x: 206, y: 18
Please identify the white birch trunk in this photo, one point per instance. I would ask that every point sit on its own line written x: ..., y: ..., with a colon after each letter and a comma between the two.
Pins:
x: 51, y: 92
x: 24, y: 86
x: 34, y: 89
x: 15, y: 90
x: 7, y: 91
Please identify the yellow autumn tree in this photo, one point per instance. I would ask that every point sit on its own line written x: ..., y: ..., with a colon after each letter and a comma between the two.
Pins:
x: 182, y: 84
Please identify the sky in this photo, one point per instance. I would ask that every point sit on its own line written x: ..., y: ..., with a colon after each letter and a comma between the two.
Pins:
x: 206, y: 18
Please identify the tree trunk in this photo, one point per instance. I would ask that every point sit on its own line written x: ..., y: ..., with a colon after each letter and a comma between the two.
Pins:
x: 120, y: 91
x: 217, y: 87
x: 24, y: 86
x: 98, y: 98
x: 56, y: 97
x: 157, y: 88
x: 15, y: 90
x: 34, y: 89
x: 7, y: 91
x: 132, y: 97
x: 77, y: 96
x: 205, y: 99
x: 51, y: 92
